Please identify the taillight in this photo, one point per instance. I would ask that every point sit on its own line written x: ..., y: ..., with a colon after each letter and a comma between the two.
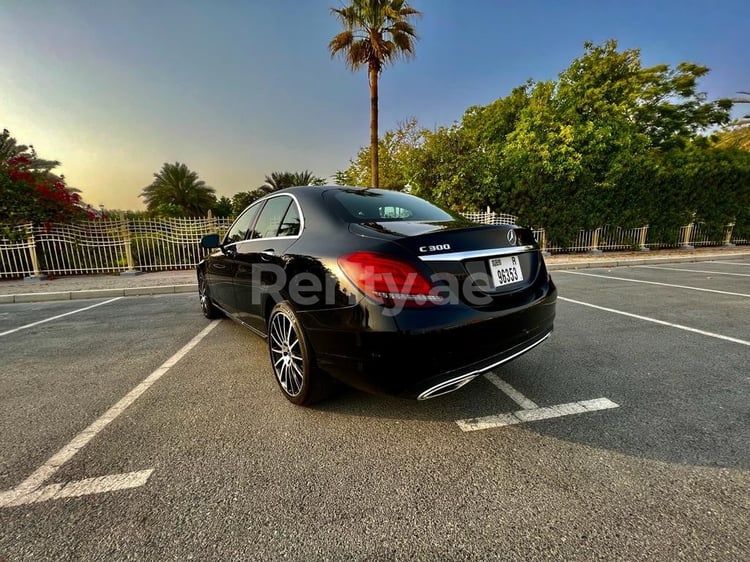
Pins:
x: 388, y: 281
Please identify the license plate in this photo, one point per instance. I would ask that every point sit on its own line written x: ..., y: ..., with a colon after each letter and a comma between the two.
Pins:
x: 505, y: 271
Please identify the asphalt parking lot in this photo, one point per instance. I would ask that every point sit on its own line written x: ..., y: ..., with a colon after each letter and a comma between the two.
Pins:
x: 625, y: 436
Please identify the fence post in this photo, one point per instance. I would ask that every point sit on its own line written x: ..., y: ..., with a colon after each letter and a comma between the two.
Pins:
x: 37, y: 275
x: 642, y: 240
x: 595, y: 242
x: 687, y: 235
x: 728, y: 235
x: 543, y: 242
x: 131, y: 271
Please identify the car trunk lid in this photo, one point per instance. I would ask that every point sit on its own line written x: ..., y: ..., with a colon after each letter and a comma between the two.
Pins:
x: 500, y: 263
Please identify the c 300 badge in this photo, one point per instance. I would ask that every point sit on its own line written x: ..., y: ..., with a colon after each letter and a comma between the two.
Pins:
x: 435, y: 248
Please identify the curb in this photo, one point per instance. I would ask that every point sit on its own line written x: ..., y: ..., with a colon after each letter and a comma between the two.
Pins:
x: 604, y: 263
x: 98, y: 294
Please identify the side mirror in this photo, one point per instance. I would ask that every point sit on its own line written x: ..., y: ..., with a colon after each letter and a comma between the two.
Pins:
x: 210, y: 241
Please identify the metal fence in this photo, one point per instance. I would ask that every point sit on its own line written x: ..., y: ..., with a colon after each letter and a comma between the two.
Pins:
x: 491, y: 217
x: 122, y: 245
x: 608, y: 238
x: 104, y: 246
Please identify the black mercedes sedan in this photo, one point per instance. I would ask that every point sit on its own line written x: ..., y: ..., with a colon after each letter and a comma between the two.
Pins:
x: 378, y: 289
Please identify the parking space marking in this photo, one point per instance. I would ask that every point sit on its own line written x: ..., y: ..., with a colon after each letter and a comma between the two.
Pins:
x: 656, y: 321
x: 512, y: 393
x: 85, y: 487
x: 694, y: 270
x: 536, y: 414
x: 531, y: 411
x: 729, y: 263
x: 655, y: 283
x: 14, y: 330
x: 53, y: 464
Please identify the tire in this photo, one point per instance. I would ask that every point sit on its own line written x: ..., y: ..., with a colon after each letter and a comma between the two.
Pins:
x: 292, y: 360
x: 207, y: 306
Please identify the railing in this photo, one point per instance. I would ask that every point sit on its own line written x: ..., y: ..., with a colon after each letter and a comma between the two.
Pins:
x: 17, y: 250
x: 490, y: 217
x: 607, y: 238
x: 120, y: 246
x: 104, y: 246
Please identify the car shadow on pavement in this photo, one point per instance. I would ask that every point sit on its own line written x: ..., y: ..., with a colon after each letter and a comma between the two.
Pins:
x: 653, y: 435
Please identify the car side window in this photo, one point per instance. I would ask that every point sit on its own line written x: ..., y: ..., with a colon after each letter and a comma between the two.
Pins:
x: 238, y: 231
x: 270, y: 218
x: 291, y: 222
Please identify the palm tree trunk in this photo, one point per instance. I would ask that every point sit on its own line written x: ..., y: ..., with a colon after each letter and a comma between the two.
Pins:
x: 375, y: 172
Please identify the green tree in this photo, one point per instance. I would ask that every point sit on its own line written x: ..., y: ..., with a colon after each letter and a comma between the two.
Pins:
x: 451, y: 169
x: 588, y: 149
x: 223, y: 207
x: 376, y: 33
x: 241, y: 200
x: 395, y: 151
x: 176, y: 190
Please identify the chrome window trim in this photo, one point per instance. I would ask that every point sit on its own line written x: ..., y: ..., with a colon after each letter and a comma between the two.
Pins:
x: 245, y: 210
x: 243, y: 243
x: 491, y: 252
x: 263, y: 202
x: 299, y: 212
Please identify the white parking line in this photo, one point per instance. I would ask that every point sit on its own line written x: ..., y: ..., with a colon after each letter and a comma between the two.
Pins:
x: 521, y: 416
x: 693, y: 270
x: 85, y: 487
x: 531, y: 411
x: 53, y: 464
x: 14, y: 330
x: 729, y: 263
x: 655, y: 283
x: 512, y: 393
x: 656, y: 321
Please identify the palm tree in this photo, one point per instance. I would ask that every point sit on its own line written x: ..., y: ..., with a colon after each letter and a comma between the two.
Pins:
x: 376, y: 32
x: 10, y: 149
x: 175, y: 186
x: 280, y: 180
x: 12, y: 153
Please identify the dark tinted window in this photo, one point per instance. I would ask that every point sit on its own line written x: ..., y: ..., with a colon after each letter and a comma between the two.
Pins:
x: 270, y: 217
x: 290, y: 225
x: 238, y: 230
x: 366, y: 205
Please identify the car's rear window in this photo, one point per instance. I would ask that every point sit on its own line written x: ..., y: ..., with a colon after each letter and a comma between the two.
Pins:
x: 367, y: 205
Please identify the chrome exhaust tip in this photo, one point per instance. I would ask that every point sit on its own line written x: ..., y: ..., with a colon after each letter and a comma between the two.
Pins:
x: 447, y: 387
x: 454, y: 384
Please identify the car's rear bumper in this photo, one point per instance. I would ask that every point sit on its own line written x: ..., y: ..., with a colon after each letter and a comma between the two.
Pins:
x: 432, y: 360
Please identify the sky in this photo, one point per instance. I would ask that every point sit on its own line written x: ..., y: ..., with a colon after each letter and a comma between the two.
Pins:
x: 237, y: 89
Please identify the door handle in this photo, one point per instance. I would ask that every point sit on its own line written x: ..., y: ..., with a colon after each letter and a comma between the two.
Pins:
x: 267, y: 254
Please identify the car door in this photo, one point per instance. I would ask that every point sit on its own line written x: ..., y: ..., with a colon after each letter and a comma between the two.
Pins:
x: 221, y: 266
x: 260, y: 272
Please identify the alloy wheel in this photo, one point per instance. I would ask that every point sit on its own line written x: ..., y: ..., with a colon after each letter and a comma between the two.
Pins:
x: 286, y: 354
